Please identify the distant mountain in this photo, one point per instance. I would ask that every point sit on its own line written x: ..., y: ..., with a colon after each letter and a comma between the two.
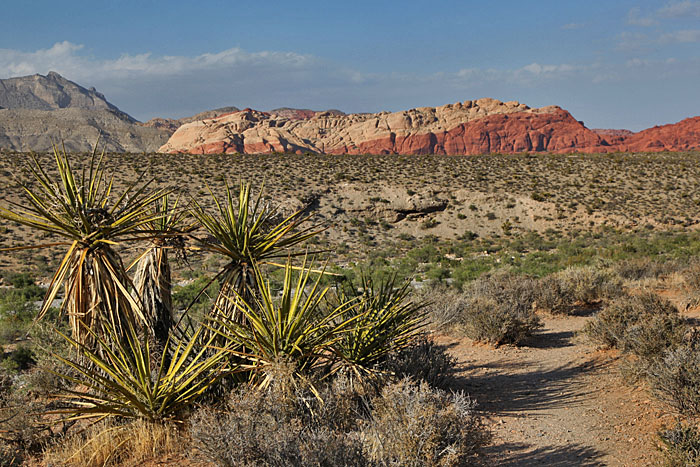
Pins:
x: 303, y: 114
x: 479, y: 126
x: 171, y: 124
x: 37, y: 111
x: 51, y: 92
x: 77, y: 129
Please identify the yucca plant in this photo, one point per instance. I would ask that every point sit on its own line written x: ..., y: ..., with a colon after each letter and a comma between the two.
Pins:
x: 249, y: 233
x: 129, y: 384
x: 80, y: 208
x: 299, y: 327
x: 152, y: 278
x: 385, y: 320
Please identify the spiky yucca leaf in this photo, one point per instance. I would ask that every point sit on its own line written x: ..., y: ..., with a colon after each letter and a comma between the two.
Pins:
x: 298, y: 328
x: 386, y: 320
x: 80, y: 208
x: 247, y: 232
x: 128, y: 384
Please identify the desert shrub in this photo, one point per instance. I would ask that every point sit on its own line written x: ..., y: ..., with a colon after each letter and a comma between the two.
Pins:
x: 675, y: 379
x: 21, y: 434
x: 690, y: 284
x: 628, y: 318
x: 414, y: 425
x: 563, y: 291
x: 642, y: 268
x: 111, y: 444
x: 286, y: 423
x: 20, y: 359
x: 444, y: 305
x: 423, y: 360
x: 682, y: 443
x: 282, y: 424
x: 499, y: 309
x: 198, y: 295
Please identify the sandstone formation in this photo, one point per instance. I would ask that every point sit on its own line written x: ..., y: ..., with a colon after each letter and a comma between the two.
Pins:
x: 302, y: 114
x: 681, y: 136
x: 473, y: 127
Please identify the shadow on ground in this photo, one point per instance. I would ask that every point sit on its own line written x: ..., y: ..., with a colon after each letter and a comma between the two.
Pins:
x: 504, y: 387
x: 551, y: 340
x: 521, y: 455
x: 510, y: 388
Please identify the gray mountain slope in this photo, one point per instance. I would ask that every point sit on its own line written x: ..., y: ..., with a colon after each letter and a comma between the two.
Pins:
x: 37, y: 111
x: 78, y: 129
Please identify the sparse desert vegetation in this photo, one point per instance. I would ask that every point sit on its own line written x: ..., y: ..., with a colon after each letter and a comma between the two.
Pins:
x: 351, y: 302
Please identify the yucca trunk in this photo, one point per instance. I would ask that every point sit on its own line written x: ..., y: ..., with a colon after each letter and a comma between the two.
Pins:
x: 97, y: 294
x: 153, y: 287
x: 237, y: 283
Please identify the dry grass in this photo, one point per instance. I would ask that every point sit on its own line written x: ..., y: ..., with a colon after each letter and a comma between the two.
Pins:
x: 108, y: 443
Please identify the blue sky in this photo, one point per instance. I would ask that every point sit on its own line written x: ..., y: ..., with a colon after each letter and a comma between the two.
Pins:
x: 621, y: 64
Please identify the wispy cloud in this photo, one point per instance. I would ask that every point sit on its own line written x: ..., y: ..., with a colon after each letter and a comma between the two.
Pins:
x: 683, y: 9
x: 64, y: 57
x: 572, y: 26
x: 684, y: 36
x: 635, y: 18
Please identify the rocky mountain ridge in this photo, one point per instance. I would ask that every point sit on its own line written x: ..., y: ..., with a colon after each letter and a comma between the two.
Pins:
x: 40, y: 111
x: 472, y: 127
x: 51, y: 92
x: 37, y: 111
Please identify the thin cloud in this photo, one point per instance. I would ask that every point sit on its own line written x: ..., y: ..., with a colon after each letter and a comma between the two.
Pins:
x: 684, y: 36
x: 64, y: 58
x: 635, y: 18
x: 683, y: 9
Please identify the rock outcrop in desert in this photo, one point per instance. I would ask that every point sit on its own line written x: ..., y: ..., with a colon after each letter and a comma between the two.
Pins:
x: 472, y: 127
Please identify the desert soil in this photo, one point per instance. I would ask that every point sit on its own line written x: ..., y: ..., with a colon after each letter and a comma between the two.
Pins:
x: 559, y: 401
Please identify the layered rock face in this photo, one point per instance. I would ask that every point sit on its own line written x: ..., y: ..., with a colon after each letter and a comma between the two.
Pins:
x: 681, y: 136
x: 472, y: 127
x: 485, y: 125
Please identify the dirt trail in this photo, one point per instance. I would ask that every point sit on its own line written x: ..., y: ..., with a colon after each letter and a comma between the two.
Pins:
x: 559, y: 402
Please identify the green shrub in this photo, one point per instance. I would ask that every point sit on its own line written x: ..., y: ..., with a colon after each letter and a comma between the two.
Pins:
x: 22, y: 358
x: 499, y: 309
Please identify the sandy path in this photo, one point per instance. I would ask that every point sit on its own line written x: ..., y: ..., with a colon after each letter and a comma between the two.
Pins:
x: 558, y: 401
